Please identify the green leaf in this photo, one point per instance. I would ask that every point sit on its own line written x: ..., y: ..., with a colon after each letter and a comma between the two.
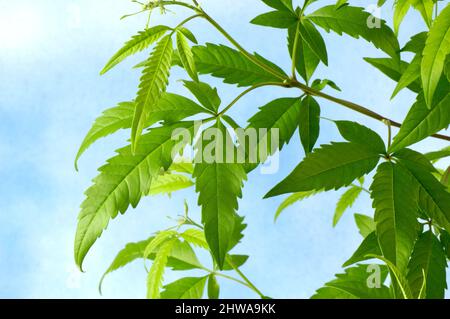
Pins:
x: 425, y: 7
x: 409, y: 76
x: 436, y: 49
x: 365, y: 224
x: 169, y: 183
x: 160, y: 238
x: 394, y: 195
x: 122, y: 182
x: 195, y: 237
x: 422, y: 122
x: 186, y: 55
x: 445, y: 241
x: 428, y: 258
x: 434, y: 200
x: 415, y: 158
x: 276, y: 19
x: 397, y: 277
x: 226, y: 63
x: 368, y: 246
x: 205, y: 94
x: 309, y: 123
x: 362, y: 135
x: 433, y: 156
x: 284, y: 5
x: 345, y: 202
x: 292, y: 199
x: 340, y: 3
x: 393, y: 69
x: 353, y: 21
x: 416, y: 43
x: 312, y: 37
x: 329, y: 167
x: 401, y: 9
x: 306, y: 61
x: 109, y: 122
x: 185, y: 288
x: 319, y: 85
x: 234, y: 260
x: 354, y: 284
x: 156, y: 273
x: 137, y: 43
x: 213, y: 287
x: 219, y: 185
x: 154, y: 81
x: 188, y: 34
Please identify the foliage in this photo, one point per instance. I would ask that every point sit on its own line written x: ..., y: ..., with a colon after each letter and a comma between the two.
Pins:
x: 409, y: 231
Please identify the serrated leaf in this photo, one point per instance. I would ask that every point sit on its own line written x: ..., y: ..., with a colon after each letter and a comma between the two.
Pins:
x: 369, y: 246
x: 422, y: 122
x: 230, y: 65
x: 185, y: 288
x: 160, y: 238
x: 425, y: 7
x: 186, y: 56
x: 276, y: 19
x: 188, y: 34
x: 312, y: 37
x: 416, y: 43
x: 345, y: 202
x: 409, y: 76
x: 156, y: 273
x: 306, y: 61
x: 415, y: 158
x: 122, y: 182
x: 153, y: 83
x: 394, y: 195
x: 292, y: 199
x: 169, y: 183
x: 232, y: 261
x: 353, y: 284
x: 205, y: 94
x: 393, y: 69
x: 137, y: 43
x: 195, y: 237
x: 219, y: 185
x: 366, y: 224
x: 428, y: 258
x: 353, y: 21
x: 329, y: 167
x: 213, y: 287
x: 362, y: 135
x: 400, y: 10
x: 437, y: 47
x: 445, y: 241
x: 309, y: 123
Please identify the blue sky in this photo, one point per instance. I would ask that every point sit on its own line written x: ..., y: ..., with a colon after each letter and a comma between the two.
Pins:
x: 51, y: 53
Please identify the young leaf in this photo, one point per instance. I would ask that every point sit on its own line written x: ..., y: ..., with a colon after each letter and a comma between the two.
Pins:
x: 362, y: 135
x: 219, y: 185
x: 195, y: 237
x: 329, y: 167
x: 306, y: 61
x: 422, y: 122
x: 226, y: 63
x: 169, y: 183
x: 428, y: 262
x: 345, y: 202
x: 394, y: 195
x: 309, y: 123
x: 354, y: 284
x: 368, y: 246
x: 137, y: 43
x: 205, y: 94
x: 292, y: 199
x: 400, y: 10
x: 425, y: 7
x: 410, y: 75
x: 213, y: 287
x: 186, y: 56
x: 365, y: 224
x: 276, y: 19
x: 353, y: 21
x: 319, y: 85
x: 122, y: 182
x: 185, y: 288
x: 159, y: 240
x: 312, y: 37
x: 154, y: 81
x: 436, y: 49
x: 156, y: 273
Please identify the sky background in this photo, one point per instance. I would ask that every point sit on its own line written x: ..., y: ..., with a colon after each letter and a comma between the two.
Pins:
x: 51, y: 53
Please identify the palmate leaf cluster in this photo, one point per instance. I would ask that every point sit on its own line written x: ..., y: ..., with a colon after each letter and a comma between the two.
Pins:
x: 408, y: 234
